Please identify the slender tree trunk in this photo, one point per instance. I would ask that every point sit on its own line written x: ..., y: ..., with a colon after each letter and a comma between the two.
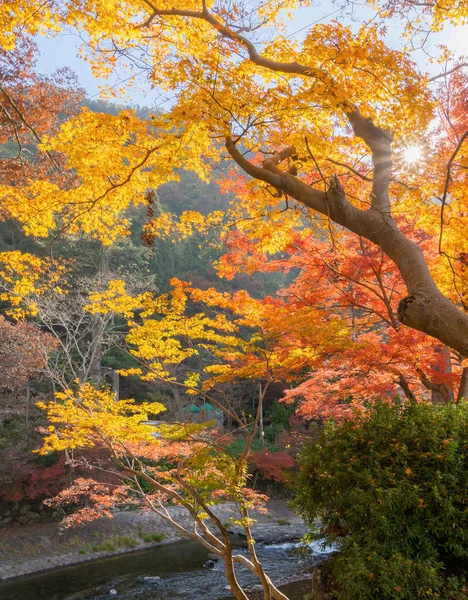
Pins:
x: 260, y: 424
x: 231, y: 576
x: 463, y: 389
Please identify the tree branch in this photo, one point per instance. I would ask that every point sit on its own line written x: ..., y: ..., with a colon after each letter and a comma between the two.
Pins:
x: 380, y: 143
x: 29, y: 126
x: 445, y: 73
x: 447, y: 184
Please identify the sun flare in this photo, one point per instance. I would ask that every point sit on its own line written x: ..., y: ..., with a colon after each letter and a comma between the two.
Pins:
x: 412, y: 154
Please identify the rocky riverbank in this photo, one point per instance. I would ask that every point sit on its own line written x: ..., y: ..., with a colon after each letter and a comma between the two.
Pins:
x: 41, y: 546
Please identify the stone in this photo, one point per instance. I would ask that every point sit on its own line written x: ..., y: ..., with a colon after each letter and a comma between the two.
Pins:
x: 210, y: 564
x: 33, y: 516
x: 23, y: 519
x: 6, y: 520
x: 112, y: 592
x: 7, y: 513
x: 150, y: 580
x: 24, y: 509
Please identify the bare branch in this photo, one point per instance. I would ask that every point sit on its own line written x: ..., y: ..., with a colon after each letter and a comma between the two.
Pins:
x: 445, y: 73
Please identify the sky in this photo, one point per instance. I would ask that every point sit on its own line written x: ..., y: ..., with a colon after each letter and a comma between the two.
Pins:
x: 62, y: 51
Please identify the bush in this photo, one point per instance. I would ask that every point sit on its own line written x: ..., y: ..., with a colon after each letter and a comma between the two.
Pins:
x: 391, y: 488
x: 111, y: 544
x: 274, y: 466
x: 149, y: 537
x: 236, y: 447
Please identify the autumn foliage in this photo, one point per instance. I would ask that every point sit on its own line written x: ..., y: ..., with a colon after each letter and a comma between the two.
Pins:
x: 315, y: 120
x: 24, y: 349
x: 346, y: 168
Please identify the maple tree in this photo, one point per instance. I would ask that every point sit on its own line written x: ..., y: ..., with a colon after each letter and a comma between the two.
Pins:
x: 187, y: 464
x: 307, y: 106
x: 31, y: 105
x: 381, y: 359
x: 232, y: 337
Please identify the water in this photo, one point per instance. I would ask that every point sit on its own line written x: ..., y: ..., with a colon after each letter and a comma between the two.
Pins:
x: 179, y: 566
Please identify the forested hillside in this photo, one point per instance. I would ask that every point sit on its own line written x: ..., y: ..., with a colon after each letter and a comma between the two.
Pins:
x: 144, y: 265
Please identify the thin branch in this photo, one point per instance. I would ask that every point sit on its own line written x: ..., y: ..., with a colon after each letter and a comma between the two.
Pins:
x: 447, y: 184
x: 445, y: 73
x: 29, y: 126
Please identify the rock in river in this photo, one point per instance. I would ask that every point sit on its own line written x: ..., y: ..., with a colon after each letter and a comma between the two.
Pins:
x: 150, y: 580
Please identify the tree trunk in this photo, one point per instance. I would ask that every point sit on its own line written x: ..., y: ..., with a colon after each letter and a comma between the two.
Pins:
x: 425, y: 308
x: 319, y: 587
x: 463, y: 389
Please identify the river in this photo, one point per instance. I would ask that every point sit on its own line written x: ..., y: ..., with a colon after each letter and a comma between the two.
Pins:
x: 179, y: 567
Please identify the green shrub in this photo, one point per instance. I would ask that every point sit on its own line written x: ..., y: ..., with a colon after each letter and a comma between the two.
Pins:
x: 390, y: 486
x: 112, y: 544
x: 151, y: 537
x: 237, y: 446
x: 280, y: 414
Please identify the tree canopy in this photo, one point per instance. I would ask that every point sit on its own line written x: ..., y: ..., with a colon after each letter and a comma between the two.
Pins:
x: 319, y: 129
